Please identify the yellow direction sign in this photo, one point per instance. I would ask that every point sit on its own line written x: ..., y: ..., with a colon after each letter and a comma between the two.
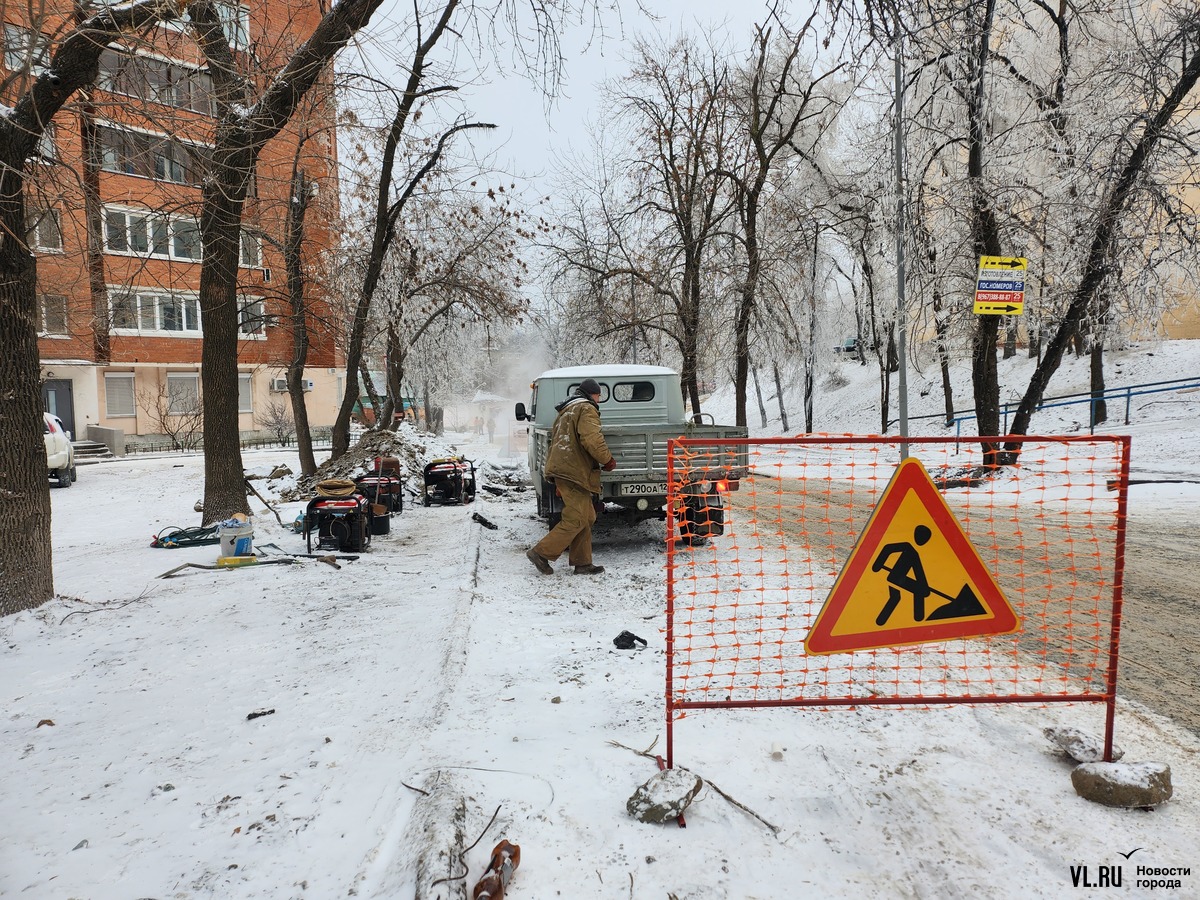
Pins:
x: 913, y: 578
x: 1000, y: 288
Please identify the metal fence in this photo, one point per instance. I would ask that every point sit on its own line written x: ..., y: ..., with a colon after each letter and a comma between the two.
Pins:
x: 322, y: 439
x: 1176, y: 385
x: 838, y: 583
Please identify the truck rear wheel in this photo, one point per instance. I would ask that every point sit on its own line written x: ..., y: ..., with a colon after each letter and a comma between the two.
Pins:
x: 703, y: 517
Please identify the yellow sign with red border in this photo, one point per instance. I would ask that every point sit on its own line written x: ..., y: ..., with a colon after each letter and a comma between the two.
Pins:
x: 914, y: 577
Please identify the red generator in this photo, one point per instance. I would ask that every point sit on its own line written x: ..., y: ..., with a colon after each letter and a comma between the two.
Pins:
x: 449, y: 480
x: 382, y: 489
x: 339, y: 523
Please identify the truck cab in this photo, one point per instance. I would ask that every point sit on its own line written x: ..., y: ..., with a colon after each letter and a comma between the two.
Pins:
x: 641, y: 410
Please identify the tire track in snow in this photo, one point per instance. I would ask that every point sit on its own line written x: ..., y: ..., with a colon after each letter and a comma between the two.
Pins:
x: 388, y: 867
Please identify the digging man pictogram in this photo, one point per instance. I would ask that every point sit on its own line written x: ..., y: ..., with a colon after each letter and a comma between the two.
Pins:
x: 909, y: 575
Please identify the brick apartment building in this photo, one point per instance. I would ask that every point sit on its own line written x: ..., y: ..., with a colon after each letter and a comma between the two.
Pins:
x: 120, y: 330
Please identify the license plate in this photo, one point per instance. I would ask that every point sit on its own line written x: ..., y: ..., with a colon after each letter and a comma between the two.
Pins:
x: 658, y: 487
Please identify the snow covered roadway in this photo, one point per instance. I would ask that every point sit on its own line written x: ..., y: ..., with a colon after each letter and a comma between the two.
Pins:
x: 438, y: 681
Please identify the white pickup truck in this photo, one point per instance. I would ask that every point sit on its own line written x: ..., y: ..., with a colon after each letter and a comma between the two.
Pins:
x: 641, y: 409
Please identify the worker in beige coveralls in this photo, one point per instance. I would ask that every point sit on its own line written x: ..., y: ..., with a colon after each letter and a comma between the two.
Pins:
x: 577, y: 454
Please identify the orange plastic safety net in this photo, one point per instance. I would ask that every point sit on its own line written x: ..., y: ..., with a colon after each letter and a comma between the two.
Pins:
x: 911, y: 616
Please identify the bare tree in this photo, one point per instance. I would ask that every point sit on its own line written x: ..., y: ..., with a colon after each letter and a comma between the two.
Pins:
x: 458, y: 259
x: 302, y: 197
x: 1173, y: 72
x: 393, y: 189
x: 248, y: 119
x: 1061, y: 154
x: 782, y: 113
x: 174, y: 413
x: 25, y: 557
x: 277, y: 419
x: 387, y: 210
x: 658, y: 230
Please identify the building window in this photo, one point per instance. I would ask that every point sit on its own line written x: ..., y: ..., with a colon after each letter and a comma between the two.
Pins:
x: 144, y: 233
x: 156, y: 80
x: 150, y: 156
x: 47, y: 150
x: 185, y: 239
x: 25, y: 50
x: 118, y: 396
x: 251, y: 249
x: 123, y: 313
x: 43, y: 230
x: 252, y: 317
x: 183, y: 394
x: 235, y: 19
x: 178, y: 312
x: 54, y: 313
x: 245, y: 392
x: 155, y: 312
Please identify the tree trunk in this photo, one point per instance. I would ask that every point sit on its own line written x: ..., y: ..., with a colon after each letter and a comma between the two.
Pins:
x: 1010, y: 338
x: 690, y: 341
x: 93, y: 213
x: 394, y: 373
x: 1099, y: 404
x: 242, y: 131
x: 302, y: 194
x: 220, y: 229
x: 1079, y: 340
x: 810, y: 358
x: 885, y: 389
x: 25, y: 552
x: 783, y: 419
x: 941, y: 329
x: 985, y: 235
x: 762, y: 407
x: 746, y: 309
x: 372, y: 396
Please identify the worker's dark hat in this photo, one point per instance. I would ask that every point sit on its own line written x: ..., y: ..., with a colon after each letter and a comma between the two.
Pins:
x: 589, y: 386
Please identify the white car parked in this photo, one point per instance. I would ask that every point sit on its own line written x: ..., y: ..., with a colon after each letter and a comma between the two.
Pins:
x: 60, y: 455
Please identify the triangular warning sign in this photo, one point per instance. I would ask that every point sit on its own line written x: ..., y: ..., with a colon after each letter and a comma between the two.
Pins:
x: 913, y: 577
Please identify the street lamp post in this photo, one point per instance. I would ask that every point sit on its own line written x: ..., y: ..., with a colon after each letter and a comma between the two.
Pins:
x: 901, y: 314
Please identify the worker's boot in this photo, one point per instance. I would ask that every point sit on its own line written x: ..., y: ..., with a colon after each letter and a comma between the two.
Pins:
x: 589, y: 569
x: 543, y: 564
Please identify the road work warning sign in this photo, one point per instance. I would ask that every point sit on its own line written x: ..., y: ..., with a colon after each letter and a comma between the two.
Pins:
x: 913, y: 578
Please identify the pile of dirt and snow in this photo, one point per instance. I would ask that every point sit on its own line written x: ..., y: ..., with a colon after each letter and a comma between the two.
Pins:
x: 415, y: 449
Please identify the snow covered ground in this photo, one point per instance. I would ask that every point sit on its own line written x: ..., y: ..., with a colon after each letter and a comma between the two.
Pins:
x: 439, y: 676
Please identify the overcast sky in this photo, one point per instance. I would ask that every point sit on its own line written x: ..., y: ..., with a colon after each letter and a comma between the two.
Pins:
x: 530, y: 136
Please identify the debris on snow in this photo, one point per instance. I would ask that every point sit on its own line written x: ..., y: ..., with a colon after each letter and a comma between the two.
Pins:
x: 1081, y: 747
x: 413, y: 448
x: 1125, y: 785
x: 665, y: 796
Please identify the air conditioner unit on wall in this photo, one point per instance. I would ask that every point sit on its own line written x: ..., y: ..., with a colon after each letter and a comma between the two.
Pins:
x: 279, y: 385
